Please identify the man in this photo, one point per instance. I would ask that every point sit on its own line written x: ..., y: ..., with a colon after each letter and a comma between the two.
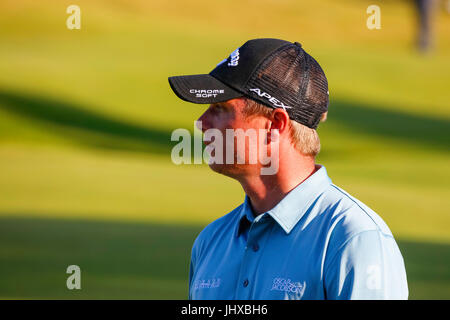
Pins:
x: 426, y: 11
x: 297, y: 235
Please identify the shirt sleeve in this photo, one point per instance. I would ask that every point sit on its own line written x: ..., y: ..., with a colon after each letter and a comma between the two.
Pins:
x: 368, y: 265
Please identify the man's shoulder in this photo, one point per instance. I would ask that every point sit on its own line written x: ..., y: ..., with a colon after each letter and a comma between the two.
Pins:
x: 349, y: 219
x: 350, y: 216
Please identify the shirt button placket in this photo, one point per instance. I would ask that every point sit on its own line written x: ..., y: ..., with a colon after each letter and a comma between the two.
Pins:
x: 248, y: 263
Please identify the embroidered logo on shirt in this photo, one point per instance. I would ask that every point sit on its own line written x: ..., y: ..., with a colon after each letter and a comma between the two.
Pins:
x: 292, y: 290
x: 207, y: 283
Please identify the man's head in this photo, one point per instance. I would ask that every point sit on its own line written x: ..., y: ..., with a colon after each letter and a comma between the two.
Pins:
x: 249, y: 126
x: 270, y: 86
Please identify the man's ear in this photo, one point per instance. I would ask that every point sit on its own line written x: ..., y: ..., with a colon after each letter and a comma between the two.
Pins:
x: 279, y: 120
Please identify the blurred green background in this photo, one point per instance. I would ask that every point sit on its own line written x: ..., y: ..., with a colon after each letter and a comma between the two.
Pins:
x: 86, y: 117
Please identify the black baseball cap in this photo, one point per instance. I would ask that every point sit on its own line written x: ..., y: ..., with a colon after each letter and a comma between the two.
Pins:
x: 273, y: 72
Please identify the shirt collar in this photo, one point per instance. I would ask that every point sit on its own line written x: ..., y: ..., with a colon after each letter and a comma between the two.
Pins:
x: 288, y: 212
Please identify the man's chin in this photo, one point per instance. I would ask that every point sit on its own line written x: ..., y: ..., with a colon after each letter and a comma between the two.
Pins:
x: 219, y: 168
x: 231, y: 170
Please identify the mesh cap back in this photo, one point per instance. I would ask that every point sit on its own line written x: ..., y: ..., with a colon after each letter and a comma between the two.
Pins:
x: 293, y: 77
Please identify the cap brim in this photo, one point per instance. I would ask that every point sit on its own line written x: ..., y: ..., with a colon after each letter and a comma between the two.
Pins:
x: 202, y: 89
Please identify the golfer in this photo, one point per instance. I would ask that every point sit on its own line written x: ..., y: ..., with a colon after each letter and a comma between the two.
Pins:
x: 296, y: 235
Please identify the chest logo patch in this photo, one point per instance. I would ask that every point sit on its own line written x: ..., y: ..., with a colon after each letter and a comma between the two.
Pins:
x: 207, y: 283
x: 292, y: 290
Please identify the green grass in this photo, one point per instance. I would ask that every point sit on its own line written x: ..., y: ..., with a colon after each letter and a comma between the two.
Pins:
x: 117, y: 260
x: 86, y: 118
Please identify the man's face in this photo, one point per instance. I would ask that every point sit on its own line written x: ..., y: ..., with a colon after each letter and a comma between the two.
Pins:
x: 230, y: 115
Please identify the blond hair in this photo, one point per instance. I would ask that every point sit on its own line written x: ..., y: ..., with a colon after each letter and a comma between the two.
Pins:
x: 305, y: 140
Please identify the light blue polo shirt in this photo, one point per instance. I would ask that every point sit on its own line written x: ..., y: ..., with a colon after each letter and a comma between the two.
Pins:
x: 318, y: 242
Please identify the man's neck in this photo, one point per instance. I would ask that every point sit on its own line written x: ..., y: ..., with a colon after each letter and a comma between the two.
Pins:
x: 265, y: 192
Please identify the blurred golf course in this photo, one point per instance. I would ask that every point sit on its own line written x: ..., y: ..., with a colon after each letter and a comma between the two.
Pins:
x: 86, y: 118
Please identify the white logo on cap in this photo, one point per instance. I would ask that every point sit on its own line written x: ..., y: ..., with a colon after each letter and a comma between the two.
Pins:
x: 234, y: 59
x: 206, y: 93
x: 273, y: 100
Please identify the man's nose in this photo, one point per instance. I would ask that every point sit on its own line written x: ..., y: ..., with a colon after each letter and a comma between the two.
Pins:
x: 203, y: 123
